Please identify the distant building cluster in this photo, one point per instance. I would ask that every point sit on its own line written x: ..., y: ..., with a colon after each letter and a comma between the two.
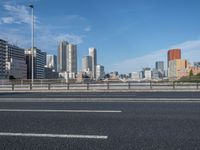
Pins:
x: 147, y: 74
x: 90, y: 68
x: 16, y: 63
x: 176, y: 69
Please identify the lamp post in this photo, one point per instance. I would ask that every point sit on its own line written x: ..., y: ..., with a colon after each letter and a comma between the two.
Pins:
x: 32, y: 49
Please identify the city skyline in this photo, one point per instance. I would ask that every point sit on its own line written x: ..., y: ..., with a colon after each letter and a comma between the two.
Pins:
x: 138, y: 34
x: 13, y: 65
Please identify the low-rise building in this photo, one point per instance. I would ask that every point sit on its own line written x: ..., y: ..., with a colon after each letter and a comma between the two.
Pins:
x: 135, y: 76
x: 50, y: 73
x: 147, y: 73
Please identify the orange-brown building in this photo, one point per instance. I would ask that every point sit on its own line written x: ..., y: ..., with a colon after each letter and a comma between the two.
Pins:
x: 174, y: 54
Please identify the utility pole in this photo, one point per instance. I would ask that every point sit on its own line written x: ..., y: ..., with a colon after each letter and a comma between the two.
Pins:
x: 32, y: 49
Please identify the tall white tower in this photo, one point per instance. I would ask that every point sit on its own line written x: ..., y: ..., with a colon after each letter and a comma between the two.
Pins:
x: 72, y: 58
x: 93, y: 54
x: 62, y: 57
x: 86, y: 63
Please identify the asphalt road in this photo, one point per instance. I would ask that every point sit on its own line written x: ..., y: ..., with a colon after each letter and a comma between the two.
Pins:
x: 123, y: 126
x: 172, y: 95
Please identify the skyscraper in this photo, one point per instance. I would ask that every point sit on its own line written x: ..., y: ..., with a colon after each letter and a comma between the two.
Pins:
x: 72, y: 58
x: 86, y: 63
x: 62, y: 56
x: 173, y: 54
x: 176, y: 66
x: 39, y: 63
x: 51, y: 62
x: 159, y: 71
x: 160, y: 65
x: 93, y: 54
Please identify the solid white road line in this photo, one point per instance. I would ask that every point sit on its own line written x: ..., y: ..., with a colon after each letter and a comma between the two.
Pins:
x: 62, y: 111
x: 53, y: 135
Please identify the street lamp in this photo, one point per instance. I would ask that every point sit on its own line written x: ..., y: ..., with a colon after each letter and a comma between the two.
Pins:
x: 32, y: 37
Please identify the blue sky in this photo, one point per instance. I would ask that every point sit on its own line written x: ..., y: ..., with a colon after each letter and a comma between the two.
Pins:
x: 128, y: 34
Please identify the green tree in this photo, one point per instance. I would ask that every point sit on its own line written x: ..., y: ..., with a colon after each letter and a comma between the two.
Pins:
x: 198, y: 74
x: 191, y: 73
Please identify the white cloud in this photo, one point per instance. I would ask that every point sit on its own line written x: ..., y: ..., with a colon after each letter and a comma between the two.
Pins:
x: 74, y: 18
x: 17, y: 14
x: 14, y: 37
x: 45, y: 38
x: 7, y: 20
x: 87, y: 29
x: 188, y: 45
x: 136, y: 64
x: 72, y: 38
x: 190, y: 51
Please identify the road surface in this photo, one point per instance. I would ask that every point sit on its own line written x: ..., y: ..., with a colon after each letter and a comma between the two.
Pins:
x: 116, y: 125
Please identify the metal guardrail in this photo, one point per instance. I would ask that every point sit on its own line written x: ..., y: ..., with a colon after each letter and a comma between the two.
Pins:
x: 13, y: 86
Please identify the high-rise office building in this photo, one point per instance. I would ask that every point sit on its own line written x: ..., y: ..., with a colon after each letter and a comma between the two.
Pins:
x: 93, y: 54
x: 2, y: 59
x: 12, y: 61
x: 160, y: 65
x: 62, y: 57
x: 39, y: 62
x: 86, y: 63
x: 159, y: 70
x: 100, y: 73
x: 173, y: 54
x: 51, y: 61
x: 67, y: 59
x: 177, y: 67
x: 72, y: 58
x: 15, y: 62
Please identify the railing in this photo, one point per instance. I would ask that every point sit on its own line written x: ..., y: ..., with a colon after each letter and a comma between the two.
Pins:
x: 60, y: 85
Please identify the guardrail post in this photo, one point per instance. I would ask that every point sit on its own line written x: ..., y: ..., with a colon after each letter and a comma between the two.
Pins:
x: 108, y: 86
x: 173, y: 85
x: 31, y: 87
x: 13, y: 86
x: 87, y: 86
x: 49, y: 86
x: 129, y: 85
x: 67, y: 85
x: 150, y: 85
x: 197, y: 85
